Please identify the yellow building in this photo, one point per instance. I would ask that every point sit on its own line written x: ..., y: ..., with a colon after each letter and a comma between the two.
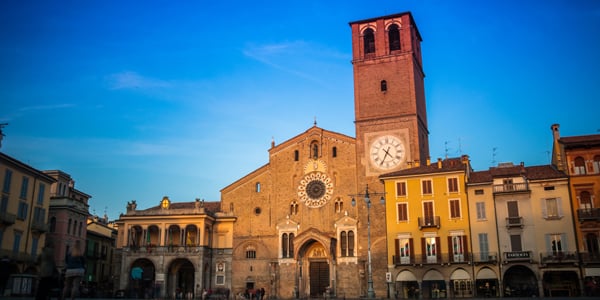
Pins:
x: 579, y: 156
x: 428, y: 230
x: 24, y: 203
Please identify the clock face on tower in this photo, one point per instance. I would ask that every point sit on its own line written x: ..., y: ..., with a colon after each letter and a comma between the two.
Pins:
x: 387, y: 152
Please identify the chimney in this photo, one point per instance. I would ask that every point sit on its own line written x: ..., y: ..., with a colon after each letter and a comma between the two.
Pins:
x: 557, y: 151
x: 417, y: 163
x: 439, y: 163
x: 464, y: 159
x: 555, y: 131
x: 428, y: 161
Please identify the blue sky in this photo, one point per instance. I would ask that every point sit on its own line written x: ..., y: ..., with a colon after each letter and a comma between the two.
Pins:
x: 142, y: 99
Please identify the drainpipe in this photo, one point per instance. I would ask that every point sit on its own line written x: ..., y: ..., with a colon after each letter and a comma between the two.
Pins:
x: 30, y: 217
x: 580, y: 263
x: 499, y: 259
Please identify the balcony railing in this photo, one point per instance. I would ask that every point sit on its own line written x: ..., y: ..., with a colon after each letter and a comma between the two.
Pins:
x: 511, y: 188
x: 403, y: 260
x: 588, y: 214
x: 429, y: 222
x: 514, y: 222
x: 545, y: 258
x: 17, y: 256
x: 587, y: 257
x: 444, y: 258
x: 7, y: 218
x: 485, y: 257
x: 161, y: 250
x: 518, y: 256
x: 558, y: 257
x: 38, y: 226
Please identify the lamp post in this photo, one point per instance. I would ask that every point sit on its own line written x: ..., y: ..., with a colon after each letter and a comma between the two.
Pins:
x: 367, y: 197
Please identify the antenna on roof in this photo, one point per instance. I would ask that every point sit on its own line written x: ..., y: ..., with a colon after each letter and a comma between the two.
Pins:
x: 494, y: 156
x: 1, y: 133
x: 446, y: 149
x: 459, y: 147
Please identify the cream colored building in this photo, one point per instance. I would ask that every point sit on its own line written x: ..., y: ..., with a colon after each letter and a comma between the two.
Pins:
x: 535, y: 235
x: 484, y: 236
x: 174, y: 249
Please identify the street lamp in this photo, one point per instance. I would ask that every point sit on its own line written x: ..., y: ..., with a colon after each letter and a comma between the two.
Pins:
x: 367, y: 198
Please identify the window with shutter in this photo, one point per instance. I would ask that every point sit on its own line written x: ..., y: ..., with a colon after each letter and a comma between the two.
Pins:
x: 480, y: 210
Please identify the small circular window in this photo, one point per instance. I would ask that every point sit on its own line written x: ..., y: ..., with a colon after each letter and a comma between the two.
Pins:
x: 257, y: 210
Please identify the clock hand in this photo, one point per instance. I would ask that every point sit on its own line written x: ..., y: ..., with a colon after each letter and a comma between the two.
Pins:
x: 387, y: 153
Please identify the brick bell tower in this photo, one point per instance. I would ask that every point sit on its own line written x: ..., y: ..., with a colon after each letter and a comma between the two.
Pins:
x: 390, y: 120
x: 389, y: 95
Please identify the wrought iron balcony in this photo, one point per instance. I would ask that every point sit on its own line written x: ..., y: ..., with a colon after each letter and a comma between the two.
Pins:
x: 17, y: 256
x: 588, y: 258
x: 403, y: 260
x: 560, y: 257
x: 429, y: 222
x: 444, y: 258
x: 511, y: 188
x: 7, y: 218
x: 588, y: 214
x: 39, y: 226
x: 514, y: 256
x: 485, y: 257
x: 514, y: 222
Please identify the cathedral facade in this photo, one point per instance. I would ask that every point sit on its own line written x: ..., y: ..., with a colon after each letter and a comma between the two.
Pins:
x: 305, y: 223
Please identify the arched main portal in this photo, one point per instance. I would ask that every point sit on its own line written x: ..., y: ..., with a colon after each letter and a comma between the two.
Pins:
x: 141, y: 276
x: 180, y: 281
x: 519, y: 281
x: 314, y: 276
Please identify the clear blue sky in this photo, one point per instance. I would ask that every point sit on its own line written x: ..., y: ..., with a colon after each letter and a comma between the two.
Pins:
x: 142, y: 99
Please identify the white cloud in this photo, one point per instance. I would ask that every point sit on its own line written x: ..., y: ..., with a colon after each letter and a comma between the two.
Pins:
x: 46, y: 107
x: 298, y: 58
x: 133, y: 80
